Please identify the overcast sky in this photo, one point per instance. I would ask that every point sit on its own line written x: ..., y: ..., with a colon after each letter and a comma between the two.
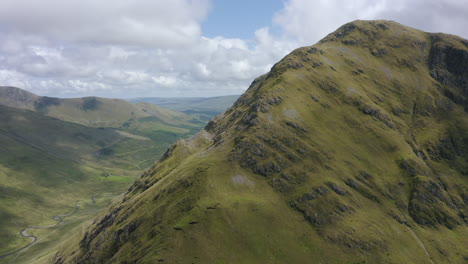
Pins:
x: 179, y: 48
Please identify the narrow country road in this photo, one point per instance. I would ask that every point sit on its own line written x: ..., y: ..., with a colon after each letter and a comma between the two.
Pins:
x: 24, y: 232
x: 58, y: 218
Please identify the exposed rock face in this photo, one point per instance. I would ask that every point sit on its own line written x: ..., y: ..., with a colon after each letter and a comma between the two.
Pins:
x: 355, y: 150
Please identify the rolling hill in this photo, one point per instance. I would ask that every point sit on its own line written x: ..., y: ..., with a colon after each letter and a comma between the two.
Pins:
x: 353, y: 150
x: 133, y: 120
x: 89, y: 111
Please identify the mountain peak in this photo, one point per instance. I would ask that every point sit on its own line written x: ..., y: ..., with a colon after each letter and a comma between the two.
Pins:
x: 16, y: 97
x: 351, y: 150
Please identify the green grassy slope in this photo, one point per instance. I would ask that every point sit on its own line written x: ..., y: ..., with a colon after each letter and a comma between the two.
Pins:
x: 353, y: 150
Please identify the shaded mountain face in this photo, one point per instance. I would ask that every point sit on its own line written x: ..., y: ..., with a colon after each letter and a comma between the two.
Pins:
x: 353, y: 150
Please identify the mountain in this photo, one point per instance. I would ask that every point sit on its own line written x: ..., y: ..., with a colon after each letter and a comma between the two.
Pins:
x: 353, y: 150
x: 207, y: 107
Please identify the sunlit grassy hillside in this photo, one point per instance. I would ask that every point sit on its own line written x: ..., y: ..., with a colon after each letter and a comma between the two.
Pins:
x: 353, y: 150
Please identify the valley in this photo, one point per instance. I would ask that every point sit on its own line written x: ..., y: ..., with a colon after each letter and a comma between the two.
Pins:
x: 60, y: 153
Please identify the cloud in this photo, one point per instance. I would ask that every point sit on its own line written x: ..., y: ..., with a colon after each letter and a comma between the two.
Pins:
x: 309, y: 21
x: 158, y: 23
x: 140, y: 48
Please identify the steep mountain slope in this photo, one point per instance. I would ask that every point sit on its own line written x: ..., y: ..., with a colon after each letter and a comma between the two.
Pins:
x: 353, y: 150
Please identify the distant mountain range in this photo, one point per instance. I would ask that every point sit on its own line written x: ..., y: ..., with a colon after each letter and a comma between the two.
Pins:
x: 205, y: 106
x: 90, y: 111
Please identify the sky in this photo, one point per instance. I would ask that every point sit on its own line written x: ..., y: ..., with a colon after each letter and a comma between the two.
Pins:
x: 180, y: 48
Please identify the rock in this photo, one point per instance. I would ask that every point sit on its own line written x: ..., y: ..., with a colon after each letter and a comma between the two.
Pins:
x: 337, y: 189
x: 274, y: 100
x: 352, y: 183
x: 345, y: 30
x: 280, y: 185
x: 296, y: 126
x: 168, y: 152
x: 307, y: 197
x: 267, y: 168
x: 321, y: 190
x: 431, y: 205
x: 448, y: 64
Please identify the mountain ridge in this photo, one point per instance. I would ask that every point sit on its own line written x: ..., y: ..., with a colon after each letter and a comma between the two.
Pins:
x: 351, y: 150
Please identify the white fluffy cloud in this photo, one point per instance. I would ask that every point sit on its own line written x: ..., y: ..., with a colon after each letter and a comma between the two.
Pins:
x: 119, y: 48
x: 309, y: 21
x: 161, y: 23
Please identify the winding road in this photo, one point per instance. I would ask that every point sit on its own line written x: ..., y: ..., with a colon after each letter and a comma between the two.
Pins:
x: 58, y: 218
x: 24, y: 232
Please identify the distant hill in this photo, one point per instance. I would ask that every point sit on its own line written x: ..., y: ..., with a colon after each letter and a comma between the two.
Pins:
x: 15, y: 97
x: 162, y: 126
x: 89, y: 111
x: 207, y: 106
x: 353, y: 150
